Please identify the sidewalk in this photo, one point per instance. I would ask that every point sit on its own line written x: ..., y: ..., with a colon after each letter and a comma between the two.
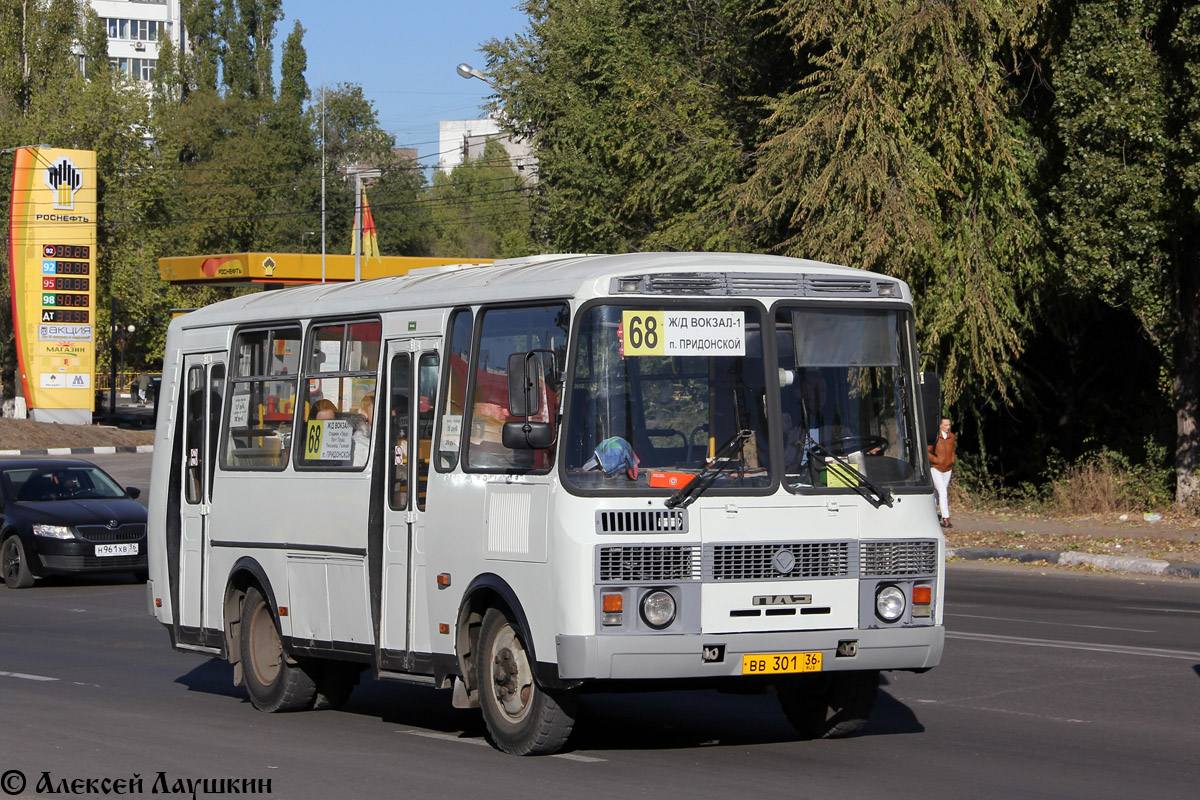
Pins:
x: 1167, y: 547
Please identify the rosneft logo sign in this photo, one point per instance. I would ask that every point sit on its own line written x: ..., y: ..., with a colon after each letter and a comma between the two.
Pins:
x: 64, y: 179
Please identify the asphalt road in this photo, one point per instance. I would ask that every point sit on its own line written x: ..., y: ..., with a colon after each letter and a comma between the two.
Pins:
x: 1052, y: 685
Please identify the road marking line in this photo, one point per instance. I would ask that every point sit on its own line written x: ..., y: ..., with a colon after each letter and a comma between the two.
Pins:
x: 26, y: 677
x: 1045, y: 622
x: 1102, y: 648
x: 450, y: 737
x: 1163, y: 610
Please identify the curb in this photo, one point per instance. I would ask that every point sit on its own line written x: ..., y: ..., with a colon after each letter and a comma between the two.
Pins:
x: 1146, y: 566
x: 81, y: 451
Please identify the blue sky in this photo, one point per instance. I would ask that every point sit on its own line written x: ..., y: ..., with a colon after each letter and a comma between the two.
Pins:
x: 403, y: 54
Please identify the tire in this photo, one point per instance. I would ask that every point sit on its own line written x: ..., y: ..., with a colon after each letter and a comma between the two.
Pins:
x: 14, y: 564
x: 274, y: 681
x: 831, y: 705
x: 335, y: 681
x: 522, y: 718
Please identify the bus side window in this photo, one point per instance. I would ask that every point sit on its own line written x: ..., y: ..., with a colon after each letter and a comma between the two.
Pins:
x: 399, y: 416
x: 458, y: 357
x: 427, y: 382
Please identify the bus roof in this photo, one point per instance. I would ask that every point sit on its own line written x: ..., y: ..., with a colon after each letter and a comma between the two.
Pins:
x: 546, y: 276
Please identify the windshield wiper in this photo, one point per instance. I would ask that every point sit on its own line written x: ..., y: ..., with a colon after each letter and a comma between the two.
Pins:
x: 863, y: 485
x: 687, y: 494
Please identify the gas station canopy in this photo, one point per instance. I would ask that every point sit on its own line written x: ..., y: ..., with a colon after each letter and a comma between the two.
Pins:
x: 280, y: 269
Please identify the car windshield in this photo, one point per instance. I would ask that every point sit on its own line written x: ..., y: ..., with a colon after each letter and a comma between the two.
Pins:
x: 845, y: 394
x: 657, y: 391
x: 40, y: 485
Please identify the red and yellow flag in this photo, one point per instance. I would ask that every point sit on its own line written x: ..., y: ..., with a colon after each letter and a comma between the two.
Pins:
x: 370, y: 237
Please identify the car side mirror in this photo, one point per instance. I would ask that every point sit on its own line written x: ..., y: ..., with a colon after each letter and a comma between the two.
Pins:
x: 133, y: 492
x: 525, y: 379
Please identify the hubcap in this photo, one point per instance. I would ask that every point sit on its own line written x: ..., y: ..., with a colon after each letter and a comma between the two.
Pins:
x: 512, y: 678
x: 266, y: 651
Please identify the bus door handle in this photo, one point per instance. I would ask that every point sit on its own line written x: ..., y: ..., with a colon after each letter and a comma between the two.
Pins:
x: 205, y: 509
x: 410, y: 517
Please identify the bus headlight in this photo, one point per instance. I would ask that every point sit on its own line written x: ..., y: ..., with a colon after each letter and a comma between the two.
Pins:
x: 889, y: 603
x: 658, y: 609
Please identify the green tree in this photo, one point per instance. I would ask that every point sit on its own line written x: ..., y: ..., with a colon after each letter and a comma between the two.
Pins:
x: 637, y: 115
x: 1125, y: 204
x: 481, y: 209
x: 898, y: 150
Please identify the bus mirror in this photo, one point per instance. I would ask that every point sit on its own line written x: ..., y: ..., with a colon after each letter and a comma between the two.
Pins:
x: 931, y: 404
x: 527, y: 435
x: 524, y: 384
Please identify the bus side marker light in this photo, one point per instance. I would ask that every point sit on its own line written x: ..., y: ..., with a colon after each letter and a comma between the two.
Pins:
x: 613, y: 605
x: 443, y: 580
x: 158, y: 602
x: 443, y: 627
x: 283, y: 611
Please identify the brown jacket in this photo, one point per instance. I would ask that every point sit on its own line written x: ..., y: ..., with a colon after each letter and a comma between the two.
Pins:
x: 941, y: 453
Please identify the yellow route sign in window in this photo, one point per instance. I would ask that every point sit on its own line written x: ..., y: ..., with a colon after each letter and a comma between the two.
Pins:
x: 683, y: 333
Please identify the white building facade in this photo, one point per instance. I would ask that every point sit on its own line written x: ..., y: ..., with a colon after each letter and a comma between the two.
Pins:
x: 136, y: 29
x: 460, y: 140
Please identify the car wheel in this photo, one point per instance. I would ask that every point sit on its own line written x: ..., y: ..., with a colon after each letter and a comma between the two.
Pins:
x: 274, y: 681
x: 522, y: 717
x: 13, y: 564
x: 829, y: 705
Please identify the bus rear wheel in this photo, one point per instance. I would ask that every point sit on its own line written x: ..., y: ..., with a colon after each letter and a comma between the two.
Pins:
x: 829, y: 705
x: 273, y: 680
x: 522, y: 717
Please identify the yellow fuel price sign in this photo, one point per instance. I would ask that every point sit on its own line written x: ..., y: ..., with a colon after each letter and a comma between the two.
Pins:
x: 683, y: 333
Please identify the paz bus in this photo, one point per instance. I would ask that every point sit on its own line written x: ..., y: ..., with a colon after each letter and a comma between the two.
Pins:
x: 541, y: 477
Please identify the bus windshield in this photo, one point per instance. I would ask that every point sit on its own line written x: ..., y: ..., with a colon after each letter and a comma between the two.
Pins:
x: 652, y: 416
x: 845, y: 388
x: 647, y: 410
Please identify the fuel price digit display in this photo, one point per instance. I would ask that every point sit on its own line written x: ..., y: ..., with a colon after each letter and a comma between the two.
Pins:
x: 66, y: 268
x: 66, y: 251
x: 66, y: 284
x: 65, y: 300
x: 65, y: 315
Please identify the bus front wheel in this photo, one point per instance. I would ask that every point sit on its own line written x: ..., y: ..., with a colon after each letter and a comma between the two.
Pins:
x: 829, y: 705
x: 522, y: 717
x: 273, y: 680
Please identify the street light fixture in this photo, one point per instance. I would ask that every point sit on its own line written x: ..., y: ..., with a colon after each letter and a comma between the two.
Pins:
x: 467, y: 71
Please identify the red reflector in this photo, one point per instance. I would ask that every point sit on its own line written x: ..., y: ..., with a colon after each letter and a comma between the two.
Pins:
x: 922, y: 595
x: 612, y: 603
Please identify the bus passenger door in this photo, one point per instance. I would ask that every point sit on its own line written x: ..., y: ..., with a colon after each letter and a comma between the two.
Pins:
x: 412, y: 386
x: 204, y: 379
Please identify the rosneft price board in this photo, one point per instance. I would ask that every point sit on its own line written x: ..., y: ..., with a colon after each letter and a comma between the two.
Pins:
x: 53, y: 240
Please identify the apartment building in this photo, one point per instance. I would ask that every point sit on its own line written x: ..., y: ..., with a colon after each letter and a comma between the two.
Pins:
x: 136, y: 28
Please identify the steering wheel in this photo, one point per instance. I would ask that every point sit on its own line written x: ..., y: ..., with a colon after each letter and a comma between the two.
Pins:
x: 869, y: 444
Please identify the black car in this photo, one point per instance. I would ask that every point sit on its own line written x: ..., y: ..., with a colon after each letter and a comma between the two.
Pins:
x: 67, y: 516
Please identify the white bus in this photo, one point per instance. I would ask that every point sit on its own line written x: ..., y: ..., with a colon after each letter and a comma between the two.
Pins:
x: 539, y: 477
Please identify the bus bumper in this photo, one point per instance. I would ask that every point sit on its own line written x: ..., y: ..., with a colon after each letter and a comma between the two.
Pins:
x: 708, y: 656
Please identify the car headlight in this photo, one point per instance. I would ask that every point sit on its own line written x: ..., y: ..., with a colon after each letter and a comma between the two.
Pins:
x: 53, y: 531
x: 889, y: 603
x: 658, y: 609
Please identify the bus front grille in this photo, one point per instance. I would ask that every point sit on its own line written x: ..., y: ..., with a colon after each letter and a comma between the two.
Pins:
x: 642, y: 521
x: 778, y: 561
x: 898, y: 558
x: 649, y: 564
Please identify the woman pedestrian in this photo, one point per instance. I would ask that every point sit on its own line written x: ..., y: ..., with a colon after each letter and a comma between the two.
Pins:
x: 941, y: 460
